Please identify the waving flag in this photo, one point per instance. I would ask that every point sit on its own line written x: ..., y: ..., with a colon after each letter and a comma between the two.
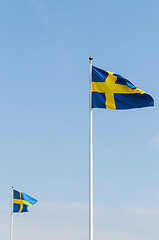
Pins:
x: 112, y: 91
x: 21, y: 201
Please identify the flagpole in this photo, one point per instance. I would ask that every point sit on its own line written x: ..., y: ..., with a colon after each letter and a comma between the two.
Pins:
x: 90, y: 158
x: 11, y: 225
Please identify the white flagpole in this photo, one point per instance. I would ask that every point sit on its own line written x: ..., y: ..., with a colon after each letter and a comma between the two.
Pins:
x: 90, y: 159
x: 11, y: 224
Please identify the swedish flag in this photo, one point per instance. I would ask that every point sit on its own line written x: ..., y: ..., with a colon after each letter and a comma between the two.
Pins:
x: 21, y: 201
x: 112, y: 91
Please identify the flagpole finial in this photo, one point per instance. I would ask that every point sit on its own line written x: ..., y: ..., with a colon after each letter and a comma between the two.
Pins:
x: 90, y: 58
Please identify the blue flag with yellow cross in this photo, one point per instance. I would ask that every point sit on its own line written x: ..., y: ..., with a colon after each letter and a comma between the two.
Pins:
x: 21, y: 201
x: 112, y: 91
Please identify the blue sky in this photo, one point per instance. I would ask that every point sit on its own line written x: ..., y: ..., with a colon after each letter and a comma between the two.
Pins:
x: 44, y: 109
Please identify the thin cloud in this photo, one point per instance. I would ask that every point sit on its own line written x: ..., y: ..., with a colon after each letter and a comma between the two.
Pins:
x: 70, y: 221
x: 155, y: 141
